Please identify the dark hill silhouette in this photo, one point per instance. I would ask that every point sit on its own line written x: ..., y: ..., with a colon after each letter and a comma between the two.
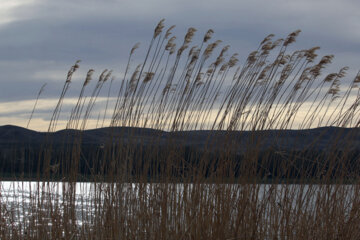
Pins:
x: 318, y: 138
x: 306, y: 153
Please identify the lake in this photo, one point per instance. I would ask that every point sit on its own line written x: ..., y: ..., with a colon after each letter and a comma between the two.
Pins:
x: 31, y: 205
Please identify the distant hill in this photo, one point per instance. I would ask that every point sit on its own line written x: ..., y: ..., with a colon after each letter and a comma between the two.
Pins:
x: 23, y: 151
x: 318, y: 138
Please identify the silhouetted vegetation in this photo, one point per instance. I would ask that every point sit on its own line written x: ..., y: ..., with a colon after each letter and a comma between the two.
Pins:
x: 188, y: 149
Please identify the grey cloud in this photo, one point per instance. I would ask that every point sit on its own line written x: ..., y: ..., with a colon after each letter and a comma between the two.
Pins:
x: 48, y: 36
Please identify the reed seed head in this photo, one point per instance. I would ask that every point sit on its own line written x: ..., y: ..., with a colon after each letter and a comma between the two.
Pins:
x: 252, y: 57
x: 172, y: 49
x: 310, y: 54
x: 159, y: 28
x: 136, y: 46
x: 219, y: 60
x: 263, y: 73
x: 210, y: 70
x: 199, y: 77
x: 210, y: 48
x: 134, y: 77
x: 88, y: 76
x: 168, y: 32
x: 182, y: 49
x: 148, y: 77
x: 193, y: 50
x: 233, y: 60
x: 107, y: 76
x: 72, y: 70
x: 208, y: 35
x: 357, y: 79
x: 342, y: 72
x: 102, y: 75
x: 326, y: 60
x: 166, y: 88
x: 170, y: 43
x: 224, y: 67
x: 277, y: 43
x: 268, y: 38
x: 189, y: 35
x: 330, y: 77
x: 291, y: 37
x: 284, y: 60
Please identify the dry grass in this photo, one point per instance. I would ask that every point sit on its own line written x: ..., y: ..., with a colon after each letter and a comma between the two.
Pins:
x: 168, y: 192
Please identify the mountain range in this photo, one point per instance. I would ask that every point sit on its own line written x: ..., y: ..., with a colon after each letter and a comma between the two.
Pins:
x: 317, y: 138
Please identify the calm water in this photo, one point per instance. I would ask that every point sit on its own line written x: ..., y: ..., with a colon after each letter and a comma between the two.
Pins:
x: 19, y: 201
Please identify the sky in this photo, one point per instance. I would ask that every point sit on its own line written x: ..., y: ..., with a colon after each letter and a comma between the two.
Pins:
x: 40, y: 40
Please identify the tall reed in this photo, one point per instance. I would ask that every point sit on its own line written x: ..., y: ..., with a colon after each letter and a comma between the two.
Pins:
x: 144, y: 183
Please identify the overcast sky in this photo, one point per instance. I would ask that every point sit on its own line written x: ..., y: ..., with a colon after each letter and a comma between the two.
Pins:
x: 40, y: 40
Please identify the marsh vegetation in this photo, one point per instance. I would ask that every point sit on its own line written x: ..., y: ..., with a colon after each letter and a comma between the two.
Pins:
x: 143, y: 186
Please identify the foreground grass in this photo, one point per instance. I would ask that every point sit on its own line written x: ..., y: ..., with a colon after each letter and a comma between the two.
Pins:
x: 175, y: 91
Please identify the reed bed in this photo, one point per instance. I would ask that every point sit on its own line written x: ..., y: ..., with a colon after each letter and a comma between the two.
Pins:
x: 154, y: 188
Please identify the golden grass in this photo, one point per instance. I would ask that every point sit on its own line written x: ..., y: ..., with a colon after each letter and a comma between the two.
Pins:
x: 164, y: 191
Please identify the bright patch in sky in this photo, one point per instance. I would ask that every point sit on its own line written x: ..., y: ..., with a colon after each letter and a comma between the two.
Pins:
x: 8, y: 7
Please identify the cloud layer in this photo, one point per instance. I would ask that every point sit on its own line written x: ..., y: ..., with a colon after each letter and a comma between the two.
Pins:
x: 41, y: 39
